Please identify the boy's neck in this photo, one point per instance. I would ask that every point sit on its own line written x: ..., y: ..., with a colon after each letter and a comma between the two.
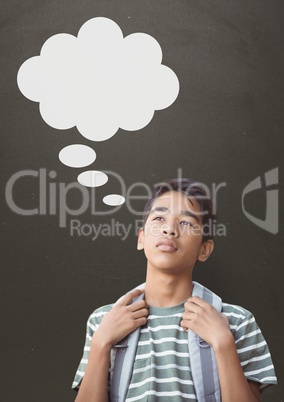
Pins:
x: 163, y: 290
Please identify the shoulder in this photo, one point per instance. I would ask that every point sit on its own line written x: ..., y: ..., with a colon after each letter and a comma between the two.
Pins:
x: 97, y: 315
x: 251, y: 345
x: 246, y: 332
x: 235, y: 310
x: 238, y: 316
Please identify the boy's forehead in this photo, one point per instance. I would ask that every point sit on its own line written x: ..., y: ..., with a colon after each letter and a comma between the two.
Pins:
x: 176, y: 201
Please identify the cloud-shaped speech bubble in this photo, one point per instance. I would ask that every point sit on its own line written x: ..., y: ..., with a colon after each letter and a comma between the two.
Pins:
x: 99, y: 81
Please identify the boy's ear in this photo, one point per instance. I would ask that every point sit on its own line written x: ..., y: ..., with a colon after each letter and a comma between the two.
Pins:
x: 140, y: 244
x: 205, y: 250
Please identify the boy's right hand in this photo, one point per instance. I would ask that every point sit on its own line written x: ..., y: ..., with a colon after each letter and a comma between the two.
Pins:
x: 122, y: 319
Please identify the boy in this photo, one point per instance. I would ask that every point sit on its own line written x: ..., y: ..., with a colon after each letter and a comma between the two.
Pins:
x: 173, y: 238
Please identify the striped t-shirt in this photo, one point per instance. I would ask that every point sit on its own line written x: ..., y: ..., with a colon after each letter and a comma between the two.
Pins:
x: 162, y: 368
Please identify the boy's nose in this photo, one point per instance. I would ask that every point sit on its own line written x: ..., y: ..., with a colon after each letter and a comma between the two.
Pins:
x: 169, y: 233
x: 170, y: 230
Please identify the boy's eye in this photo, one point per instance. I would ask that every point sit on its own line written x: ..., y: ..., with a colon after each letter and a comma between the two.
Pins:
x: 186, y: 223
x: 158, y: 218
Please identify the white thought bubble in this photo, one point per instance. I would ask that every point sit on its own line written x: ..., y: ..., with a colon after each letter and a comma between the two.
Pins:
x: 77, y: 155
x: 92, y: 178
x: 99, y: 81
x: 113, y: 199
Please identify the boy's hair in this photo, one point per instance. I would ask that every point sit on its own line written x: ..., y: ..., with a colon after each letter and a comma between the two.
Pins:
x: 190, y: 188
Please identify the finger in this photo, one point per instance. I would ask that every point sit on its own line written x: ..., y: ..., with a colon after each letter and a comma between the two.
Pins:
x: 127, y: 299
x: 141, y: 321
x: 187, y: 315
x: 185, y: 325
x: 138, y: 305
x: 196, y: 302
x: 192, y: 307
x: 187, y: 318
x: 140, y: 313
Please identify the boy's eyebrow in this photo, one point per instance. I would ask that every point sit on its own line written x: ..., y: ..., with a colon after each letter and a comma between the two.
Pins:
x: 159, y: 209
x: 165, y: 209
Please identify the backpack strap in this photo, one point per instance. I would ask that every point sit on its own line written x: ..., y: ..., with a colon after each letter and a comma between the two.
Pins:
x: 123, y: 363
x: 202, y: 358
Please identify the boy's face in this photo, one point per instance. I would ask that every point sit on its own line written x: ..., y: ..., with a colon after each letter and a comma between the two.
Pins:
x: 172, y: 236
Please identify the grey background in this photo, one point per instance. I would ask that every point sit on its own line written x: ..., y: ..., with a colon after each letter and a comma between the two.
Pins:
x: 226, y: 126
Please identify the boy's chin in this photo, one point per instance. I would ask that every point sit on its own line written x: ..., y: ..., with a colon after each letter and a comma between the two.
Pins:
x: 166, y: 267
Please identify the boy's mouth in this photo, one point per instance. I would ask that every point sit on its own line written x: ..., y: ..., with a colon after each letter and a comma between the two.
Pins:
x: 167, y: 245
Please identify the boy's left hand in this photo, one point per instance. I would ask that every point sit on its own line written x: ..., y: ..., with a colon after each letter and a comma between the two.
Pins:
x: 205, y: 321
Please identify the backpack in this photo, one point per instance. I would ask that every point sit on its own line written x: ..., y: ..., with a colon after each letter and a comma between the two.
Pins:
x: 201, y: 355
